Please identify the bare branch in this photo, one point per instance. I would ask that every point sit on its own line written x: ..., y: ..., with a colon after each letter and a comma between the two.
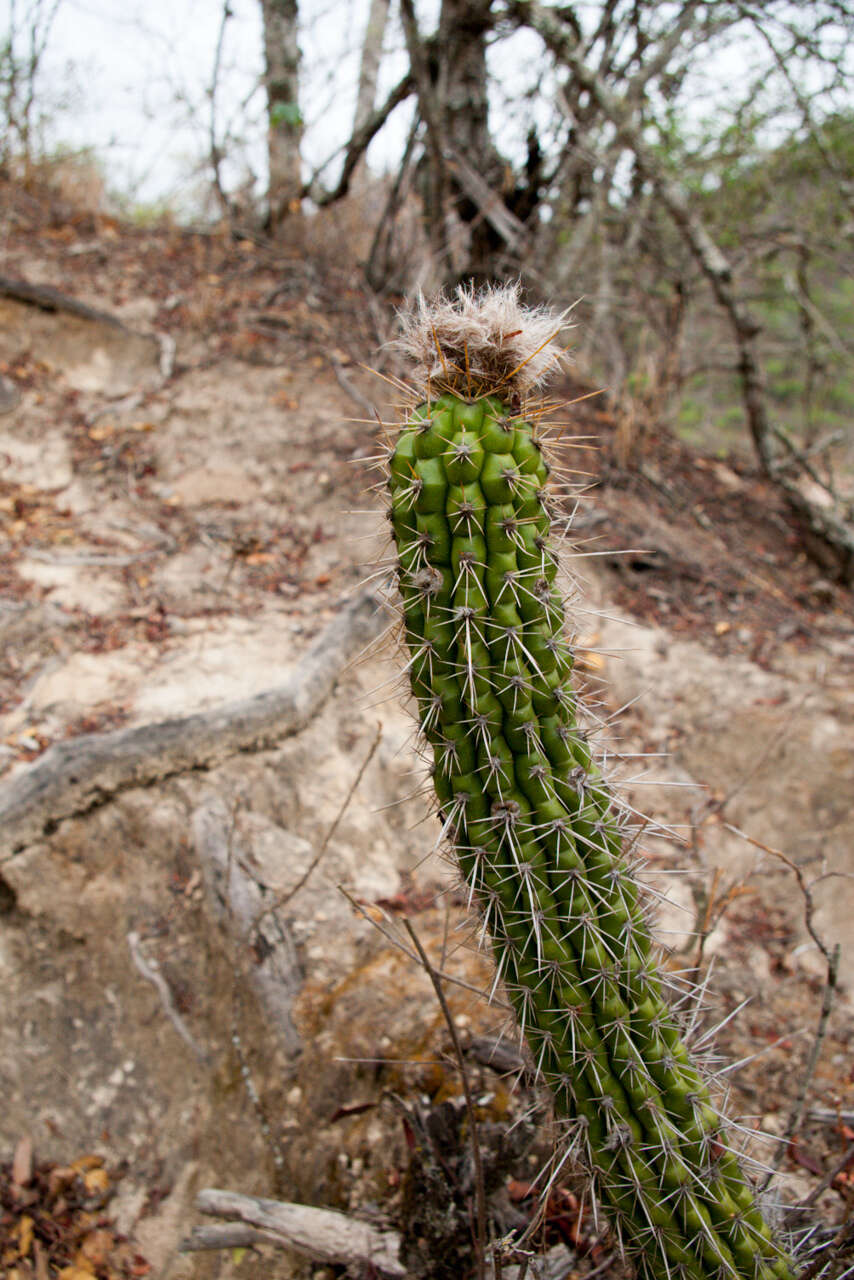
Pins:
x: 214, y: 149
x: 831, y: 957
x: 362, y: 138
x: 322, y: 1234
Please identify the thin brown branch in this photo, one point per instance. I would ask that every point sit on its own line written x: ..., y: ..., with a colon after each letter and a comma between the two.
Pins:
x: 828, y: 1180
x: 362, y: 137
x: 412, y: 955
x: 474, y: 1128
x: 284, y: 898
x: 831, y: 956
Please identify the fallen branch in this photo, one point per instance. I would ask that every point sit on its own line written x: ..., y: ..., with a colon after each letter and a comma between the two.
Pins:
x: 321, y: 1234
x: 324, y: 1235
x: 226, y: 1236
x: 47, y: 298
x: 841, y: 1166
x: 828, y: 531
x: 82, y: 774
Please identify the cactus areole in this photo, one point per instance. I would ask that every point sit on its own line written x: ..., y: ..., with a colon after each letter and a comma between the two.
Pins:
x: 536, y: 830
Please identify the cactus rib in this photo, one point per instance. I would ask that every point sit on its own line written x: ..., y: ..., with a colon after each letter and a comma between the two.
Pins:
x: 536, y: 830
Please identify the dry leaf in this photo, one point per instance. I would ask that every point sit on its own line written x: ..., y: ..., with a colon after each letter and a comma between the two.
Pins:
x: 95, y: 1249
x: 102, y: 431
x: 59, y: 1178
x: 22, y: 1163
x: 96, y: 1181
x: 721, y: 628
x: 25, y: 1235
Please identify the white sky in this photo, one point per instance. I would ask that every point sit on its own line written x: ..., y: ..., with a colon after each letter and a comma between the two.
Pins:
x: 131, y: 78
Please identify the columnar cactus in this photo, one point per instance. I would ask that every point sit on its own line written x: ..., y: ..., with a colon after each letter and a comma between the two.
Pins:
x: 535, y: 828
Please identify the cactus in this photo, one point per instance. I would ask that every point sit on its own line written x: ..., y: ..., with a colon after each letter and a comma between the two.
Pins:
x: 537, y: 831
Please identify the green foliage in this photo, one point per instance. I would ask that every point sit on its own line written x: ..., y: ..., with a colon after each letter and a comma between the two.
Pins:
x: 285, y: 114
x: 780, y: 210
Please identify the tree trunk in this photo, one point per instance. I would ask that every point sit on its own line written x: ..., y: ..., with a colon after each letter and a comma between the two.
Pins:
x: 472, y: 213
x: 433, y: 176
x: 463, y: 94
x: 369, y: 70
x: 281, y: 78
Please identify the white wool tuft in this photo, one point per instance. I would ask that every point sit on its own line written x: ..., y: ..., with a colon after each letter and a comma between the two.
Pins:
x: 481, y: 341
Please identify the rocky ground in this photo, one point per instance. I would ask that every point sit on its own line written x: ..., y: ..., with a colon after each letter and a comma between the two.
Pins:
x: 185, y: 504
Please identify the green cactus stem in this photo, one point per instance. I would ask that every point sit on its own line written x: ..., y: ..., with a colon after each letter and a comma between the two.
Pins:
x: 538, y: 833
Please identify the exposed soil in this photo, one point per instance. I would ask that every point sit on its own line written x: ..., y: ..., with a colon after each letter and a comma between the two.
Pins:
x: 184, y: 504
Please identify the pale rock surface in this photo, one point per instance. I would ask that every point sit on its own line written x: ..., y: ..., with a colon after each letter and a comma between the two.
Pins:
x: 90, y: 355
x: 214, y: 484
x: 96, y: 592
x: 45, y: 464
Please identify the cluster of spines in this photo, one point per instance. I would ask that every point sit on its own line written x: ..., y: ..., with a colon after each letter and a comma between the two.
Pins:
x: 540, y: 840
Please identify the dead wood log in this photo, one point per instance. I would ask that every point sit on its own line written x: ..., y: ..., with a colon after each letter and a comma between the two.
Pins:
x: 322, y: 1234
x: 47, y: 298
x: 83, y: 773
x: 828, y: 532
x: 225, y: 1236
x: 325, y: 1235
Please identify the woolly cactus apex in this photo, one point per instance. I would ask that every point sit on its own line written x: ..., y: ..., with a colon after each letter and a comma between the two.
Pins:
x: 537, y: 832
x: 480, y: 343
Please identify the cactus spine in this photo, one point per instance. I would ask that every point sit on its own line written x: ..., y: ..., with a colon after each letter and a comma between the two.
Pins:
x: 536, y: 830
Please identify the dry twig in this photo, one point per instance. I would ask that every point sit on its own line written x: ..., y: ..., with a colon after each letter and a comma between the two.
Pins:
x: 474, y: 1130
x: 831, y: 957
x: 155, y: 977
